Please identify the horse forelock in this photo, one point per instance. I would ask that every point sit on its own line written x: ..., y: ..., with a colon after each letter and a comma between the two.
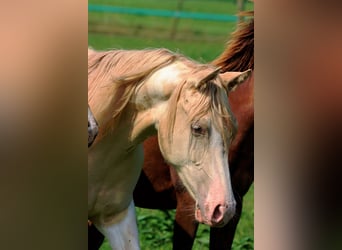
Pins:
x: 211, y: 99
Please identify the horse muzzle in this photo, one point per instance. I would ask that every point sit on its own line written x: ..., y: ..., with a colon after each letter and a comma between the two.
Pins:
x: 215, y: 214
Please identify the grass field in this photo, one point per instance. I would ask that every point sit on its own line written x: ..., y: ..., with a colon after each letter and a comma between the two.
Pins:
x: 155, y: 229
x: 200, y: 40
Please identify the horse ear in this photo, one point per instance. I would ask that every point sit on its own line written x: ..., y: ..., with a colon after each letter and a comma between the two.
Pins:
x: 232, y: 79
x: 209, y: 77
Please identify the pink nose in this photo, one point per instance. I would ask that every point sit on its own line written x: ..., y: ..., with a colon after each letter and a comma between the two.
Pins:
x: 216, y: 216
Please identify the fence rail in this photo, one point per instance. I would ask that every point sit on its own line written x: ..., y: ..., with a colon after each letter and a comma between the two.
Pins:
x: 161, y: 13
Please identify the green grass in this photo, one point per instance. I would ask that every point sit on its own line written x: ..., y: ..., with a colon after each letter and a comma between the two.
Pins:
x: 160, y: 28
x: 156, y: 226
x: 201, y: 51
x: 244, y: 236
x: 200, y: 40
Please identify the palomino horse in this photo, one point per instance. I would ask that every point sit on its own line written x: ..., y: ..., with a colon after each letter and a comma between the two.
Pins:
x: 136, y: 94
x: 92, y: 128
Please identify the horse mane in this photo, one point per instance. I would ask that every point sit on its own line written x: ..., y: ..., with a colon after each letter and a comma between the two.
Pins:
x: 239, y: 52
x: 120, y: 72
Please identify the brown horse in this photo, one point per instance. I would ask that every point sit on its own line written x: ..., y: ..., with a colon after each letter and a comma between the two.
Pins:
x: 160, y: 187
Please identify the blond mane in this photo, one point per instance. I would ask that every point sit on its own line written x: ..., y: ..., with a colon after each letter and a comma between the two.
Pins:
x: 120, y: 72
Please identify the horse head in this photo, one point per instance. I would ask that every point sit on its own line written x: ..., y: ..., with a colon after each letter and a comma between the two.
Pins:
x: 195, y: 130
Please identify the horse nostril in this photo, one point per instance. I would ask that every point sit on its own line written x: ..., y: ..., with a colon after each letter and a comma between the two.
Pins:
x: 219, y: 213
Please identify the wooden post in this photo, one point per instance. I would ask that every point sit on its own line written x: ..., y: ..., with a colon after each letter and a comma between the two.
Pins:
x: 176, y: 20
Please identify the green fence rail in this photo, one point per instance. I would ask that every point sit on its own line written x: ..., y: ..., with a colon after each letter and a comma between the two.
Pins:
x: 161, y: 13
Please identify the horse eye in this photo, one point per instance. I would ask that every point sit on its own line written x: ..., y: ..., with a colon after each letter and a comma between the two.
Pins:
x: 197, y: 130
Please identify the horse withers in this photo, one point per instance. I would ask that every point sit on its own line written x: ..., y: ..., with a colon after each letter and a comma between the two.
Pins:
x: 135, y: 94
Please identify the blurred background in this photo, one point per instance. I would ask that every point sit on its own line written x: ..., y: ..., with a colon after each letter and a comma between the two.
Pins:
x: 197, y: 28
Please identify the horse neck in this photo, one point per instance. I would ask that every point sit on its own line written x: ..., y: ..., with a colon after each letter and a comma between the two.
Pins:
x: 242, y: 105
x: 239, y: 56
x: 242, y: 99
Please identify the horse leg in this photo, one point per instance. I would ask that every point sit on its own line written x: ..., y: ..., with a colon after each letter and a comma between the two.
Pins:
x: 185, y: 225
x: 184, y: 231
x: 123, y: 235
x: 222, y: 238
x: 95, y: 238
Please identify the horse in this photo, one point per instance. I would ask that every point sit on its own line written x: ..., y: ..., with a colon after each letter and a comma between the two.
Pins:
x: 160, y: 188
x: 161, y: 185
x: 135, y: 94
x: 93, y: 128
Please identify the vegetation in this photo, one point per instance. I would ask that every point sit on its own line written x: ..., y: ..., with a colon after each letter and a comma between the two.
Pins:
x: 156, y: 227
x: 200, y: 40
